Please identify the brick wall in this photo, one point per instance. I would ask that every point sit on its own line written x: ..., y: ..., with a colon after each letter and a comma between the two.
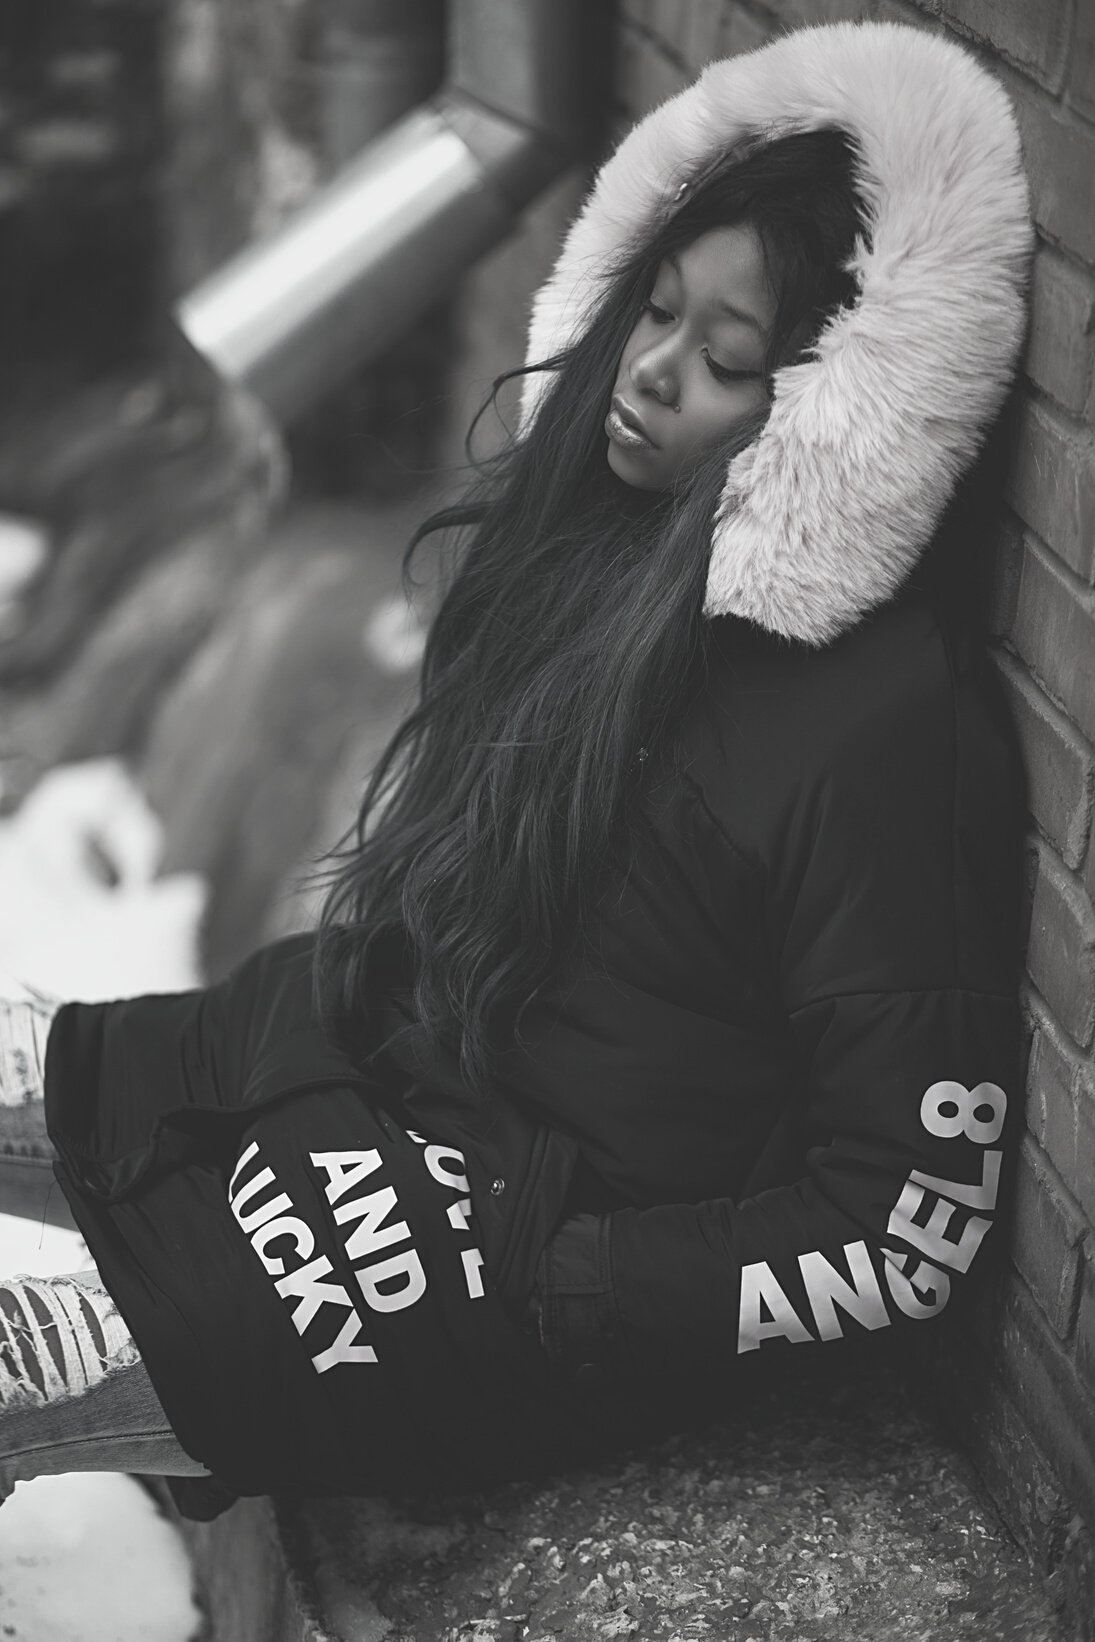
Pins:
x: 1021, y: 1386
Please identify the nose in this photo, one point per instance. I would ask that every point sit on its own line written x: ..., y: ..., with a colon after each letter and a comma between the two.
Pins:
x: 652, y: 371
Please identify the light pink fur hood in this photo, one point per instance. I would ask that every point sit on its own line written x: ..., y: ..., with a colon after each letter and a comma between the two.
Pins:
x: 825, y: 514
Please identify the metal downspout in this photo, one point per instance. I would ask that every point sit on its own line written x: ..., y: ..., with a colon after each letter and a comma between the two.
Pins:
x: 295, y: 313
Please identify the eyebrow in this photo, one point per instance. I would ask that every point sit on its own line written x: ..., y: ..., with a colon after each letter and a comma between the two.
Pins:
x: 728, y: 307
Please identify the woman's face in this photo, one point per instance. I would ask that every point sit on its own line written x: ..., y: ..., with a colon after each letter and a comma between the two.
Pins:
x: 692, y: 369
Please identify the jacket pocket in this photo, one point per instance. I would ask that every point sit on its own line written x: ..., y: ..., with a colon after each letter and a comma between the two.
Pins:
x: 536, y: 1214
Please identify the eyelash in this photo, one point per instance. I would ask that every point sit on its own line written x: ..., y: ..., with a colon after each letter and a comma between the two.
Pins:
x: 661, y: 316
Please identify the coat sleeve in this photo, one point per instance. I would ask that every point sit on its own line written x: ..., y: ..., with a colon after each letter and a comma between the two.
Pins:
x: 893, y: 909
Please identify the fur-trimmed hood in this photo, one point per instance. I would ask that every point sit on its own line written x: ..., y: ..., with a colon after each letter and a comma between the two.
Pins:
x: 826, y: 513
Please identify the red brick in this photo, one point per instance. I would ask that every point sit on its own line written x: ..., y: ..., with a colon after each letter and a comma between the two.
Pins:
x: 1054, y: 632
x: 1062, y: 1114
x: 1085, y: 1095
x: 1047, y: 1230
x: 993, y: 1432
x: 1061, y: 950
x: 1058, y: 356
x: 1057, y: 1407
x: 1057, y: 760
x: 1051, y: 484
x: 1034, y: 36
x: 1059, y: 156
x: 1052, y: 1070
x: 1085, y: 1327
x: 1081, y: 75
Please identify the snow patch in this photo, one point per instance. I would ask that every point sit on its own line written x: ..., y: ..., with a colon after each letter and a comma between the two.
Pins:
x: 85, y: 916
x: 394, y: 637
x: 89, y: 1558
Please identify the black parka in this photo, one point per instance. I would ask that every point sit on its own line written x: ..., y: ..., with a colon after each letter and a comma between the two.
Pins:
x: 769, y: 1104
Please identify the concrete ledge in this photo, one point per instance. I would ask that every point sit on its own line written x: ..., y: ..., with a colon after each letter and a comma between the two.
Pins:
x: 245, y: 1566
x: 823, y: 1514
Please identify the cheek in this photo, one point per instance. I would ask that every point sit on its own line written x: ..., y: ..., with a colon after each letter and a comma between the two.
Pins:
x: 710, y: 418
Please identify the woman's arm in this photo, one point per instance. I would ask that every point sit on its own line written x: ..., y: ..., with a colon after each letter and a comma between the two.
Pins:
x: 893, y: 907
x: 888, y: 1218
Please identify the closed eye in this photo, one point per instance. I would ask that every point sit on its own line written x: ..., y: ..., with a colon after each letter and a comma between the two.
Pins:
x: 722, y: 373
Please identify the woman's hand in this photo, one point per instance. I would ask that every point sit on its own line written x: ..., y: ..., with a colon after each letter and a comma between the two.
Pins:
x: 572, y: 1309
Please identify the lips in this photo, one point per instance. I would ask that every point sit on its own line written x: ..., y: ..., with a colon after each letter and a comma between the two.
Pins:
x: 624, y: 427
x: 632, y: 418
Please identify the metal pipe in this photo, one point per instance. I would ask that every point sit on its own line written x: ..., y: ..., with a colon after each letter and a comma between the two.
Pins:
x: 388, y: 236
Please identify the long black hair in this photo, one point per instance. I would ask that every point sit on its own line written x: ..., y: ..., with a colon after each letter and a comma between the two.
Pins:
x: 568, y: 638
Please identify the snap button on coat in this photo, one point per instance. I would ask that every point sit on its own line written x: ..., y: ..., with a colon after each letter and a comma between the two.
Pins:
x: 497, y: 1186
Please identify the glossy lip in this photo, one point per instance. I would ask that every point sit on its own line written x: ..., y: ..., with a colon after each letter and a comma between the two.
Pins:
x: 623, y: 425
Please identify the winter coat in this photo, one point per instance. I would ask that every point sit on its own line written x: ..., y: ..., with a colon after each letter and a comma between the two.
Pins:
x: 769, y: 1104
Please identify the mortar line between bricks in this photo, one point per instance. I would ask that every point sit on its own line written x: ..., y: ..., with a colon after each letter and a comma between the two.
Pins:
x: 1043, y: 399
x: 1083, y: 592
x: 1078, y: 1053
x: 1010, y: 73
x: 1059, y: 1351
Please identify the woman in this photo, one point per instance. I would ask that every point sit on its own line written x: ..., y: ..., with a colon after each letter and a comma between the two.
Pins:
x: 662, y: 1015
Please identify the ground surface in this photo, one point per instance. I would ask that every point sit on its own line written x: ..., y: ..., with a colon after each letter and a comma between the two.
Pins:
x: 831, y: 1518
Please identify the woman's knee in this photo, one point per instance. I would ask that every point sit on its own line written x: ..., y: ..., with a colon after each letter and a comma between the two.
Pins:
x: 59, y: 1337
x: 74, y: 1392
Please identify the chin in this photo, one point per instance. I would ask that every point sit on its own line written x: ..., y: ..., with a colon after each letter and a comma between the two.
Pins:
x: 630, y: 470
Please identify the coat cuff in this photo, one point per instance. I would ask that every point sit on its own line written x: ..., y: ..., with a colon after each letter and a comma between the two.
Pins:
x: 573, y: 1306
